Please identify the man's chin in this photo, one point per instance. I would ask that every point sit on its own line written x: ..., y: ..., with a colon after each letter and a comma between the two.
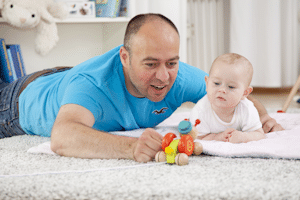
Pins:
x: 156, y: 98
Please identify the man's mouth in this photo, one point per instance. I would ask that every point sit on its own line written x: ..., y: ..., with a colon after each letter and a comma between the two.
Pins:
x: 158, y: 87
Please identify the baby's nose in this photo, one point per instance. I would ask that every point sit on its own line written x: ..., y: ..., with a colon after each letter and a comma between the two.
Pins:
x: 222, y: 89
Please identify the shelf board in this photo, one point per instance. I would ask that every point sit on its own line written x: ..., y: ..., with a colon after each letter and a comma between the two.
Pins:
x: 89, y: 20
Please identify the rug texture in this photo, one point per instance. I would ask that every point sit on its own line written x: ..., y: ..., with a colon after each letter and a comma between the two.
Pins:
x: 25, y: 175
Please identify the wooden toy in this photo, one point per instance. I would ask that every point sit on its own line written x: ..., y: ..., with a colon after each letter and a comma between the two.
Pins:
x: 290, y: 97
x: 178, y: 150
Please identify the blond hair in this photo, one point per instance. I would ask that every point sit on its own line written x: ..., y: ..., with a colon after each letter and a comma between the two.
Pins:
x: 238, y: 61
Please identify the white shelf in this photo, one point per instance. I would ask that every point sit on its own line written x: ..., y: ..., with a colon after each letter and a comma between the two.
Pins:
x: 89, y: 20
x: 94, y: 20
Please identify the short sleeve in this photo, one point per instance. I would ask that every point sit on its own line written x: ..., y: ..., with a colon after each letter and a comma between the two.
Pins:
x: 198, y: 113
x: 251, y: 120
x: 82, y: 92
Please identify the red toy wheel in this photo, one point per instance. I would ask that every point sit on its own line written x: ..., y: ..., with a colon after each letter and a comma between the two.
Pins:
x: 167, y: 140
x: 186, y: 145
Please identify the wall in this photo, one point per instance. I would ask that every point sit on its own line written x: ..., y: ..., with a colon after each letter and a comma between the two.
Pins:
x: 78, y: 42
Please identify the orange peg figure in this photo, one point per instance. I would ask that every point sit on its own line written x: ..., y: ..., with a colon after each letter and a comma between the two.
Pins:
x: 178, y: 150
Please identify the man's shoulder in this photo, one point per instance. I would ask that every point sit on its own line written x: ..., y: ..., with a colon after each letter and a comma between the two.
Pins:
x: 189, y: 70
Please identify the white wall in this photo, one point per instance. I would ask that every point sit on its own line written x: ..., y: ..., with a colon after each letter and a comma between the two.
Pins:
x: 78, y: 42
x: 81, y: 41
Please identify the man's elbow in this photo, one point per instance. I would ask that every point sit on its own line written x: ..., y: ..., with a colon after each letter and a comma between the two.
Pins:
x: 56, y: 144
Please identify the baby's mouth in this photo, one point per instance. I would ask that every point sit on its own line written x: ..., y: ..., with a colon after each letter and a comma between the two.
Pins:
x: 221, y: 98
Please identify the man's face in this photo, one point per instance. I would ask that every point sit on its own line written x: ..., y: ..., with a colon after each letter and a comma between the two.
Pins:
x: 226, y: 85
x: 153, y: 64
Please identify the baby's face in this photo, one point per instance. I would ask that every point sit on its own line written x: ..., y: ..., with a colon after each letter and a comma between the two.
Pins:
x: 226, y: 85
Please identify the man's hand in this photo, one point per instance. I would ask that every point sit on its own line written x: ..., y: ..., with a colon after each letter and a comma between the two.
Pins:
x: 148, y: 144
x: 269, y: 124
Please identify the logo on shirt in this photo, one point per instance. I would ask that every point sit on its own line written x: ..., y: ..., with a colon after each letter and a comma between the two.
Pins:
x: 161, y: 111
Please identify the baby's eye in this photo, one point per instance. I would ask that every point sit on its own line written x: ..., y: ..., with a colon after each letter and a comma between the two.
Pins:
x: 231, y: 87
x: 216, y: 83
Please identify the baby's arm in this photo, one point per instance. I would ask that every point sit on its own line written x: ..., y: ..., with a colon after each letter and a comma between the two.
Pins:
x: 223, y: 136
x: 244, y: 137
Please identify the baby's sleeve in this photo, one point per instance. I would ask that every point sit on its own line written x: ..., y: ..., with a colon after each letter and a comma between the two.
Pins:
x: 198, y: 113
x: 251, y: 120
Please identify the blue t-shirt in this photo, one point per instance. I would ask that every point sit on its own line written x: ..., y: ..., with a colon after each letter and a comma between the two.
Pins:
x: 98, y: 84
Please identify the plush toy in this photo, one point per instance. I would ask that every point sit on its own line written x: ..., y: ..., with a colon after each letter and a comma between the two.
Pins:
x: 37, y: 14
x: 178, y: 150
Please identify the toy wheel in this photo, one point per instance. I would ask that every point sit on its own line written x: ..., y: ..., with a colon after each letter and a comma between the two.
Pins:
x: 181, y: 159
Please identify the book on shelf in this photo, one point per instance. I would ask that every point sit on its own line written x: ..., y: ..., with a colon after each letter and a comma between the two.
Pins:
x: 124, y: 8
x: 107, y: 8
x: 6, y: 73
x: 18, y: 63
x: 11, y: 63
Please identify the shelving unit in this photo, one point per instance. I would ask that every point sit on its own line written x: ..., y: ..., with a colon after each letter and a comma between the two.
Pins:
x: 88, y: 20
x: 80, y: 39
x: 84, y: 38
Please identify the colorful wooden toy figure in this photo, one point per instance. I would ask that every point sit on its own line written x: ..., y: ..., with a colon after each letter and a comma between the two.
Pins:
x: 178, y: 150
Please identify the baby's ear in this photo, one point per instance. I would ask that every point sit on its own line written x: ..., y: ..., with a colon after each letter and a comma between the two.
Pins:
x: 247, y: 92
x: 206, y: 79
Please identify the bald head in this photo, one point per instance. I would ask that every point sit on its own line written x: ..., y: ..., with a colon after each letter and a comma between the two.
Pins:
x: 235, y: 60
x: 138, y: 21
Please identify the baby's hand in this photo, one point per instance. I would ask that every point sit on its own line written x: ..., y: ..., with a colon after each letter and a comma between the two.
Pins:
x: 224, y: 136
x: 236, y: 137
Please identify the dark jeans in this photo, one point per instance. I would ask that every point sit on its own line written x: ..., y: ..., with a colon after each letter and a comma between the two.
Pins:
x: 9, y: 99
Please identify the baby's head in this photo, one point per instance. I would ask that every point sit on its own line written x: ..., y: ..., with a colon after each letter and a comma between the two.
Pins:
x: 229, y: 80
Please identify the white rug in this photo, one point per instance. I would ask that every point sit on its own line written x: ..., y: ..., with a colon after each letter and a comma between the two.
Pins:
x: 25, y: 175
x: 281, y: 144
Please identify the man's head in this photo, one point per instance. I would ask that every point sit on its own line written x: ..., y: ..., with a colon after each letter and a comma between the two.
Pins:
x: 138, y: 21
x: 229, y: 80
x: 150, y: 56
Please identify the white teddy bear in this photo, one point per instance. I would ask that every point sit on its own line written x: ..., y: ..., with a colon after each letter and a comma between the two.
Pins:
x: 37, y: 14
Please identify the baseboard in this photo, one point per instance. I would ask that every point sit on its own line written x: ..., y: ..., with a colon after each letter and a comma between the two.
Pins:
x: 262, y: 90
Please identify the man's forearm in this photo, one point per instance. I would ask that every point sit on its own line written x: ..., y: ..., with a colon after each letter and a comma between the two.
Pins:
x: 77, y: 140
x: 260, y: 108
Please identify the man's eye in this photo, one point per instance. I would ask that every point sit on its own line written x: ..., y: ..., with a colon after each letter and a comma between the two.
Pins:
x: 151, y: 64
x: 172, y: 64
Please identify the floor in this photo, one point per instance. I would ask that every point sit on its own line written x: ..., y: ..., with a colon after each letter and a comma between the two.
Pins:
x: 272, y: 99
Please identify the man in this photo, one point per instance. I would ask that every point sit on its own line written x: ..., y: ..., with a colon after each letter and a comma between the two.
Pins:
x: 137, y: 85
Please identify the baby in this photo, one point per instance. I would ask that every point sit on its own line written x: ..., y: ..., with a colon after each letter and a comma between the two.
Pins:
x: 225, y: 112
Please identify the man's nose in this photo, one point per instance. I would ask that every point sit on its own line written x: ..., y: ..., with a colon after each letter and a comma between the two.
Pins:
x: 162, y: 73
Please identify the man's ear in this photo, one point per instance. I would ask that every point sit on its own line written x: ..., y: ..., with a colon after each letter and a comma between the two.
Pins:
x: 124, y: 56
x: 247, y: 92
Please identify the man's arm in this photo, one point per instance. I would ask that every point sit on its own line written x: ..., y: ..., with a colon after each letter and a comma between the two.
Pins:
x: 73, y: 136
x: 269, y: 124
